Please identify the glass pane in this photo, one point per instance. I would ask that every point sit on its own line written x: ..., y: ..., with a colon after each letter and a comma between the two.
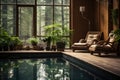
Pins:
x: 58, y: 2
x: 8, y: 18
x: 26, y: 1
x: 58, y: 15
x: 66, y: 16
x: 67, y: 39
x: 0, y: 16
x: 44, y: 17
x: 61, y: 15
x: 66, y: 2
x: 8, y: 1
x: 61, y: 2
x: 25, y: 22
x: 45, y: 2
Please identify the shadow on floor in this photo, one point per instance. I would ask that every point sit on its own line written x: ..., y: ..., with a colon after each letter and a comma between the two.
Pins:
x: 110, y: 55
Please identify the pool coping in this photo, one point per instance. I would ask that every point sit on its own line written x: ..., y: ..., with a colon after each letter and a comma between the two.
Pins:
x: 34, y: 53
x: 93, y: 68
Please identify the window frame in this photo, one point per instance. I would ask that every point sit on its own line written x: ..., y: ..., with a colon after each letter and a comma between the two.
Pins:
x: 16, y: 31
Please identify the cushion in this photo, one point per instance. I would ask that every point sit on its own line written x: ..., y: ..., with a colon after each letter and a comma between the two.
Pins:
x: 112, y: 40
x: 92, y: 37
x: 77, y: 44
x: 96, y: 36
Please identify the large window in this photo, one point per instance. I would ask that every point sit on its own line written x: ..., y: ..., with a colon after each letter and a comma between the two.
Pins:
x: 27, y: 18
x: 25, y: 22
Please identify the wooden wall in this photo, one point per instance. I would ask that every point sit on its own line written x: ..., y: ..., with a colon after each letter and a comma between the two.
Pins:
x: 97, y: 11
x: 106, y: 23
x: 78, y: 23
x: 104, y: 18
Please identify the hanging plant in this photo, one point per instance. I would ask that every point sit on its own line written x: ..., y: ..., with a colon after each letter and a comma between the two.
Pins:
x: 115, y: 16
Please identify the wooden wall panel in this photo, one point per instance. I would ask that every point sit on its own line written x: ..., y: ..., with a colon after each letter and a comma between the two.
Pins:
x: 78, y: 23
x: 104, y: 18
x: 99, y: 13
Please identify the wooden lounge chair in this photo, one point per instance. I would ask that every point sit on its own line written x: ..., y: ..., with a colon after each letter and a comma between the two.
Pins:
x: 84, y: 44
x: 108, y: 46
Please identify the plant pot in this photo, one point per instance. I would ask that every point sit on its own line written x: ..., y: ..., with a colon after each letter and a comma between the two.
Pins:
x: 5, y: 48
x: 40, y: 48
x: 47, y: 48
x: 35, y: 47
x: 60, y: 46
x: 34, y: 44
x: 1, y: 48
x: 19, y: 47
x: 53, y: 48
x: 11, y: 48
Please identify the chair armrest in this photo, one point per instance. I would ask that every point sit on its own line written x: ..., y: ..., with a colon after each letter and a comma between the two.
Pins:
x: 101, y: 42
x: 98, y: 42
x: 82, y: 41
x: 94, y: 41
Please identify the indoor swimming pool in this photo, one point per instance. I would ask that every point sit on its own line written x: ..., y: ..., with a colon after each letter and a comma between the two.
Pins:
x: 49, y: 66
x: 42, y: 69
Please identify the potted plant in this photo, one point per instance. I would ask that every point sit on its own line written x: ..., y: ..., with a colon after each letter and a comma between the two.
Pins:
x: 4, y: 39
x: 61, y: 40
x: 5, y: 43
x: 57, y: 33
x: 8, y: 42
x: 15, y: 43
x: 48, y: 41
x: 50, y: 36
x: 33, y: 41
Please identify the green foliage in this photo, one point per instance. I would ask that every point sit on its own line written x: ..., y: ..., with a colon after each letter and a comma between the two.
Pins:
x: 34, y: 41
x: 8, y: 41
x: 3, y: 32
x: 57, y: 32
x: 4, y: 37
x: 15, y: 41
x: 117, y: 34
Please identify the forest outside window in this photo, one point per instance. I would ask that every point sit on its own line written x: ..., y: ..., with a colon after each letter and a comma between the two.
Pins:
x: 40, y: 13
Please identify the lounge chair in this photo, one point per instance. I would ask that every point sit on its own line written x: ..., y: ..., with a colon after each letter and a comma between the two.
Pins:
x: 84, y: 44
x: 108, y: 46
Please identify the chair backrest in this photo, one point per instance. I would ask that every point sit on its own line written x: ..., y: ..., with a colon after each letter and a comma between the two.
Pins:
x: 111, y: 39
x: 93, y: 35
x: 110, y: 44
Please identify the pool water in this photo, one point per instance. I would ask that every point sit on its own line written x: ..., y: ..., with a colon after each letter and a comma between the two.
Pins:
x: 42, y: 69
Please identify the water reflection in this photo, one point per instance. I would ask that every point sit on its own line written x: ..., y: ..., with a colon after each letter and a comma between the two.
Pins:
x: 34, y: 69
x: 42, y: 69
